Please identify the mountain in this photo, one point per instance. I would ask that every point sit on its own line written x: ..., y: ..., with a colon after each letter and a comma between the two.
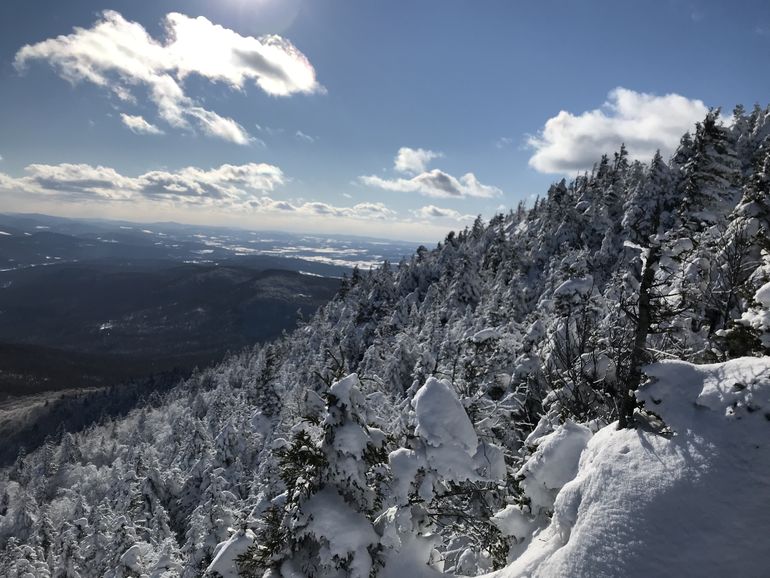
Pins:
x: 121, y: 320
x: 88, y: 303
x: 580, y: 388
x: 33, y: 240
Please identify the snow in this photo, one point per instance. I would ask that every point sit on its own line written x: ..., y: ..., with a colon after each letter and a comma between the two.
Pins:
x: 575, y: 287
x: 441, y: 418
x: 227, y: 553
x: 342, y: 389
x: 762, y: 295
x: 758, y: 318
x: 513, y: 521
x: 681, y: 246
x: 554, y: 463
x: 404, y: 464
x: 485, y: 335
x: 409, y: 561
x: 450, y: 449
x: 343, y: 530
x: 132, y: 558
x: 690, y: 504
x: 350, y: 439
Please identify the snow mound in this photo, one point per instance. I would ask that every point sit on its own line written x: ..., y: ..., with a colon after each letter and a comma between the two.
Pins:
x: 441, y: 418
x: 554, y: 463
x: 691, y: 504
x: 227, y: 553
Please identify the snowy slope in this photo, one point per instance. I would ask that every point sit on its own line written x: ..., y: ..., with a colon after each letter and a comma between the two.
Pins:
x: 693, y: 504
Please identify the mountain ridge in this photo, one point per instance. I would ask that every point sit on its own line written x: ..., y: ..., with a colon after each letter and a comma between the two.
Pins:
x: 525, y: 332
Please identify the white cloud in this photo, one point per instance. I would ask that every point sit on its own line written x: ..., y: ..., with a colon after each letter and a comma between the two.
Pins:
x: 430, y: 183
x: 226, y: 185
x: 503, y: 142
x: 434, y: 212
x: 644, y: 122
x: 139, y: 125
x: 435, y: 183
x: 414, y: 161
x: 225, y: 128
x: 242, y: 188
x: 360, y: 211
x: 305, y: 137
x: 120, y: 55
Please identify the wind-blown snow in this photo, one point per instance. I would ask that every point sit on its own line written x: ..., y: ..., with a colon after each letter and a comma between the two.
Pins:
x: 692, y: 504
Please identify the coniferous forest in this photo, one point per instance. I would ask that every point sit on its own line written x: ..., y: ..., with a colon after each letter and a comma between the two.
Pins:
x: 571, y: 388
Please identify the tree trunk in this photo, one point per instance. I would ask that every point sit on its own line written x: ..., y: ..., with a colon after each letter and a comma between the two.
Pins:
x: 639, y: 353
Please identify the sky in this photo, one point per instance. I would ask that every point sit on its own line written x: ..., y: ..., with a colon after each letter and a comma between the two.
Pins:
x: 392, y: 119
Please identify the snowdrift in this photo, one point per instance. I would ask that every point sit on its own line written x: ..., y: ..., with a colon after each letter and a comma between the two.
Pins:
x: 692, y: 503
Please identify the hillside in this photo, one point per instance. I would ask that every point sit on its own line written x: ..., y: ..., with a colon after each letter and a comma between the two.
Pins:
x: 579, y: 388
x: 99, y: 303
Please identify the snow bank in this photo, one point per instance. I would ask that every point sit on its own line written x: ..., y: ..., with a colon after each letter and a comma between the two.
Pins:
x: 691, y: 504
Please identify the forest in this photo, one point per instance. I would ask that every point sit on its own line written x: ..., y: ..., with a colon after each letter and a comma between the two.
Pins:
x: 566, y: 389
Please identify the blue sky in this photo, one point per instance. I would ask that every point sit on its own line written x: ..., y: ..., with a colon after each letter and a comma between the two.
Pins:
x: 396, y: 119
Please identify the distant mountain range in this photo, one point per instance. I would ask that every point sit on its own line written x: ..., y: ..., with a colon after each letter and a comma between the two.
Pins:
x: 92, y: 302
x: 28, y: 240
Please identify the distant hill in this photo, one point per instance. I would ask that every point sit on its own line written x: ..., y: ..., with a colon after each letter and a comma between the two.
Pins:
x: 88, y: 302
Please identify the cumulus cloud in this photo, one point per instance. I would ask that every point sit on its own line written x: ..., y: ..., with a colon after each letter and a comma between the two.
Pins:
x: 368, y: 211
x: 414, y: 161
x: 121, y: 56
x: 360, y: 211
x: 435, y: 183
x: 225, y: 185
x: 138, y: 124
x: 239, y: 187
x: 434, y: 212
x: 430, y: 183
x: 644, y: 122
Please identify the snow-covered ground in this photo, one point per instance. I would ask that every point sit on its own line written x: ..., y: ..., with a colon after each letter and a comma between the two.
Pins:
x: 695, y: 503
x: 688, y: 499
